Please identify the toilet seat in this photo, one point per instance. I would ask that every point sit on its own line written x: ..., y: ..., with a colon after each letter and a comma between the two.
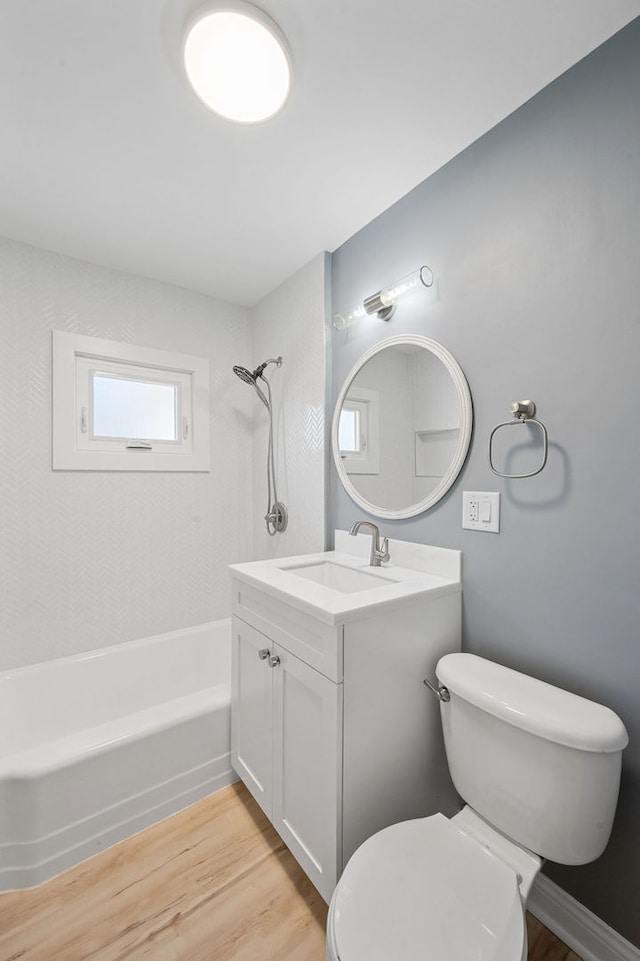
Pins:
x: 425, y: 890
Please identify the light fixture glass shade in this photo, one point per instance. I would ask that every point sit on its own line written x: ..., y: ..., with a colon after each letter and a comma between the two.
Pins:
x: 423, y: 276
x: 342, y: 321
x: 237, y: 62
x: 383, y: 303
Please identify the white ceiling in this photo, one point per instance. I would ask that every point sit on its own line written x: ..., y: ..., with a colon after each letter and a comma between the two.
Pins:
x: 108, y: 156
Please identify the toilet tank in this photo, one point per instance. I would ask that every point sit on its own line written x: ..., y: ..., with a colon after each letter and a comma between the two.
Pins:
x: 538, y: 763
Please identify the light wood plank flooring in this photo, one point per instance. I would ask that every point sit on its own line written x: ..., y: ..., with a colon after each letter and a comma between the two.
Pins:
x: 545, y: 946
x: 212, y: 883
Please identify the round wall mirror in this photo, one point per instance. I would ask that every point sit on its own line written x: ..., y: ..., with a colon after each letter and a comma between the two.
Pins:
x: 402, y: 427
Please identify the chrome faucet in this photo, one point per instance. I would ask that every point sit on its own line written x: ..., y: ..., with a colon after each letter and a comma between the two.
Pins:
x: 379, y: 551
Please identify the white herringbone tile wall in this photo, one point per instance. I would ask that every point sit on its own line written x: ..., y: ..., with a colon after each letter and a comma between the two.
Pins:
x: 291, y: 322
x: 89, y: 559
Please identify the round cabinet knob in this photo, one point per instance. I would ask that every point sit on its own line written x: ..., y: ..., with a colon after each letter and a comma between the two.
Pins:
x: 264, y: 653
x: 274, y: 660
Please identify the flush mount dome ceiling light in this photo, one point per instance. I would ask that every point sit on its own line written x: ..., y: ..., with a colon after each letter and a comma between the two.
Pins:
x: 237, y: 62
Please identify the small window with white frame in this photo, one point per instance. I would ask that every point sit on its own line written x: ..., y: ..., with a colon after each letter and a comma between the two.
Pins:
x: 124, y: 407
x: 358, y: 432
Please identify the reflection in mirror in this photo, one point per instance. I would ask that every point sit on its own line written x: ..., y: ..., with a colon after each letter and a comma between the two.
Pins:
x: 402, y: 427
x: 359, y: 431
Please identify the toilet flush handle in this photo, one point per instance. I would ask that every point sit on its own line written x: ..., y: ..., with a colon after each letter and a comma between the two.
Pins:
x: 442, y: 693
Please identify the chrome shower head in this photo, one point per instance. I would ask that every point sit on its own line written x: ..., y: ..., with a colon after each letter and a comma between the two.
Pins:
x: 250, y: 378
x: 245, y: 375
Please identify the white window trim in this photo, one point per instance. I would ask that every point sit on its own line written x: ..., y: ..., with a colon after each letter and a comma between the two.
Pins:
x: 68, y: 437
x: 367, y: 459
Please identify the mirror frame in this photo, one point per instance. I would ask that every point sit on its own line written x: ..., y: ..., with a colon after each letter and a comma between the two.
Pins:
x: 466, y: 423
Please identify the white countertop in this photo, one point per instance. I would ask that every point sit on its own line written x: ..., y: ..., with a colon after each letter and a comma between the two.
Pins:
x: 413, y: 571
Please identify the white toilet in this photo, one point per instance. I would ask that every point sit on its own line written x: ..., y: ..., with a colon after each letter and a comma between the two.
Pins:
x: 539, y: 770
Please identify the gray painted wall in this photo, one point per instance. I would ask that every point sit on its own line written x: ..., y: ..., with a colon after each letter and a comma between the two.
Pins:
x: 534, y: 237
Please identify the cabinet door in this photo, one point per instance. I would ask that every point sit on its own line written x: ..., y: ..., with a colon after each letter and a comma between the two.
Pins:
x: 307, y: 766
x: 252, y: 712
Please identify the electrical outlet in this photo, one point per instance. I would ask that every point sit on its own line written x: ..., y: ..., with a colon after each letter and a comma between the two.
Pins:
x: 481, y: 511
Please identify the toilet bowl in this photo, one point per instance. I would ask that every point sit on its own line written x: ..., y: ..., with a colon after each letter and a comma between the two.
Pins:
x: 540, y: 765
x: 428, y: 889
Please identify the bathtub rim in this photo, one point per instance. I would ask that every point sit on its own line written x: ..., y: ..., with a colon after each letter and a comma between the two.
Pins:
x: 137, y: 643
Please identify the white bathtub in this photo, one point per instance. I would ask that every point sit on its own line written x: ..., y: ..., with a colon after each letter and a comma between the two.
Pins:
x: 97, y: 746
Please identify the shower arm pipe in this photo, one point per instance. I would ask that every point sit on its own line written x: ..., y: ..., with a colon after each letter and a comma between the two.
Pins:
x: 259, y: 371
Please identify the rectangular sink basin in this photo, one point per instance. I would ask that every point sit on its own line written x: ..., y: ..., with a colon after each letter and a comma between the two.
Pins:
x: 340, y: 578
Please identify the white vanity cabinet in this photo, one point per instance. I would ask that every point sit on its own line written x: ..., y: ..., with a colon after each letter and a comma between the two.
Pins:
x: 286, y: 720
x: 332, y: 729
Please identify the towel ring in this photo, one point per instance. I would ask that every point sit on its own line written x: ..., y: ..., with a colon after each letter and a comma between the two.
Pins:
x: 523, y: 411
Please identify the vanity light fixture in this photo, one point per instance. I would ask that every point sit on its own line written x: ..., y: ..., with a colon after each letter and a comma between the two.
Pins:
x: 342, y: 321
x: 237, y: 61
x: 383, y: 303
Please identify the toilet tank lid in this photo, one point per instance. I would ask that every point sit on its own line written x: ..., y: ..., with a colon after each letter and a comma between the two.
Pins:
x: 532, y: 705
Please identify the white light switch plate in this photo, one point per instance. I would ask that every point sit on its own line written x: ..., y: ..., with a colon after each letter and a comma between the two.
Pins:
x: 481, y: 511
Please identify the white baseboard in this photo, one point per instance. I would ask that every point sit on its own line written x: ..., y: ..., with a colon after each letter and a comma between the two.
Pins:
x: 582, y: 931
